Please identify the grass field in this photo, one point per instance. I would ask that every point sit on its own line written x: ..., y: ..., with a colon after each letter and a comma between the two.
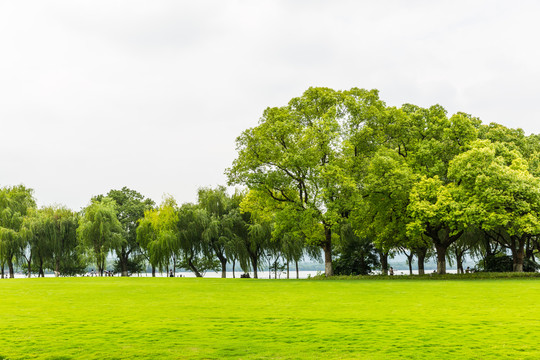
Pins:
x: 183, y: 318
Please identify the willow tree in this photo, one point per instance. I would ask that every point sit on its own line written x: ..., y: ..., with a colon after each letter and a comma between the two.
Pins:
x: 158, y: 234
x: 100, y: 230
x: 51, y: 241
x: 298, y: 157
x: 15, y: 202
x: 217, y: 233
x: 197, y: 254
x: 57, y: 229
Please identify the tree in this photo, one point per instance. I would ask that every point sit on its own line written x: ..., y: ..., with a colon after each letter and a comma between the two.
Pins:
x: 55, y: 228
x: 381, y: 212
x: 246, y: 246
x: 100, y: 230
x: 292, y: 250
x: 130, y: 207
x: 159, y: 235
x: 196, y: 255
x: 297, y: 157
x: 355, y: 255
x: 256, y: 243
x: 500, y: 194
x: 15, y: 203
x: 217, y: 232
x: 436, y: 213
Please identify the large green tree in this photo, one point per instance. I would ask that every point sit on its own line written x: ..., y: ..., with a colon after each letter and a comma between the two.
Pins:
x: 426, y: 140
x: 298, y: 157
x: 499, y: 194
x: 130, y: 207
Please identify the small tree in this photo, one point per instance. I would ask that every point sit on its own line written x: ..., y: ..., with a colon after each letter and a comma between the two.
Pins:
x: 354, y: 255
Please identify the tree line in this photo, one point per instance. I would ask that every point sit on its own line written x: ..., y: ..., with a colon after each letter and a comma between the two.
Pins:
x: 403, y: 179
x: 333, y: 173
x: 198, y: 237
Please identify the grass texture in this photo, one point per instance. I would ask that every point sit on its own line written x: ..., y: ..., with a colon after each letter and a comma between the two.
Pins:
x: 186, y: 318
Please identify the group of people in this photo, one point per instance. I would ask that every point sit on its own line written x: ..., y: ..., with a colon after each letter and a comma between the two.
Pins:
x: 105, y: 273
x: 171, y: 274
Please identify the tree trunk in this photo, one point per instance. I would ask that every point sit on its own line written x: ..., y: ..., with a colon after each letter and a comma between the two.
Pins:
x: 153, y: 271
x: 123, y: 266
x: 10, y: 267
x: 222, y: 259
x: 421, y: 254
x: 442, y: 244
x: 529, y: 250
x: 2, y: 269
x: 233, y: 266
x: 57, y: 267
x: 518, y: 253
x: 223, y: 269
x: 297, y: 272
x: 29, y: 266
x: 41, y: 273
x: 383, y: 256
x: 327, y: 247
x: 459, y: 262
x: 287, y: 269
x: 409, y: 260
x: 254, y: 265
x: 193, y: 268
x: 441, y: 258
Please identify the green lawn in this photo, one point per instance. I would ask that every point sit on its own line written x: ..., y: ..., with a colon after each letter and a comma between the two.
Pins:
x: 185, y: 318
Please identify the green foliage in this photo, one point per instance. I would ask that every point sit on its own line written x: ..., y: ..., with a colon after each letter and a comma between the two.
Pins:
x: 130, y: 207
x: 99, y: 230
x: 220, y: 209
x: 54, y: 240
x: 355, y: 255
x: 298, y: 159
x: 497, y: 189
x: 504, y: 263
x: 159, y: 235
x: 382, y: 212
x: 134, y: 265
x: 15, y: 203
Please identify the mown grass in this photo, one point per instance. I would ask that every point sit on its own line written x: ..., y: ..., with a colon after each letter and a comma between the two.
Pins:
x: 185, y: 318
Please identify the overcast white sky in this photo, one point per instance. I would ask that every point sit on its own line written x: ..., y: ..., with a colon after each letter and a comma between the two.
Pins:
x: 95, y: 95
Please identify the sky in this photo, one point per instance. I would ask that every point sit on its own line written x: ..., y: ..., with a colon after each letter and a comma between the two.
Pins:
x: 97, y: 95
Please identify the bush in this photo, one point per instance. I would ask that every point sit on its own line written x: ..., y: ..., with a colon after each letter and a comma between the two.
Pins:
x: 355, y: 257
x: 504, y: 263
x: 473, y: 276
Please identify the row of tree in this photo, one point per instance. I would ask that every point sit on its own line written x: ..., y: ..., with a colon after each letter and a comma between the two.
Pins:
x: 410, y: 179
x: 334, y: 170
x: 199, y: 237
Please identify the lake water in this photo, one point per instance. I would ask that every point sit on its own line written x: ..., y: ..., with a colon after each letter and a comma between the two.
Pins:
x: 262, y: 274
